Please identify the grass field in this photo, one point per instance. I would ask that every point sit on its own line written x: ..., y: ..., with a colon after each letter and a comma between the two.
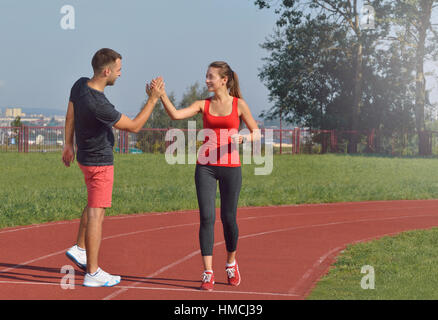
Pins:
x: 405, y: 268
x: 38, y: 188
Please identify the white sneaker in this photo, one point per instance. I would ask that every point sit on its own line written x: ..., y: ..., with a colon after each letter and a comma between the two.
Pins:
x: 79, y: 257
x: 101, y: 279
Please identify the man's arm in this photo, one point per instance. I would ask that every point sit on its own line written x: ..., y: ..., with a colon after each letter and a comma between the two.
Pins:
x: 138, y: 122
x: 68, y: 154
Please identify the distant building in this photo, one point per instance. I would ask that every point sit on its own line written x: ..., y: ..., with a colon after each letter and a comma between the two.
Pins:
x: 13, y: 112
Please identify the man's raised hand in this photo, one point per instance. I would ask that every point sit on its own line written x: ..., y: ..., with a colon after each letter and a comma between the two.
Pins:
x: 156, y: 89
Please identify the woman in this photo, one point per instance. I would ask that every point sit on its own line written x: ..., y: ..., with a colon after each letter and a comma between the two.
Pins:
x: 221, y: 115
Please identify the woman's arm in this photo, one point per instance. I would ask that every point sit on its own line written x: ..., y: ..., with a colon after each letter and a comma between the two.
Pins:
x: 177, y: 114
x: 251, y: 124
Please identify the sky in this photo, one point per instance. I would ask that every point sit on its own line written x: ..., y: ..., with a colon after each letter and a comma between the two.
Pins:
x: 171, y: 38
x: 176, y: 39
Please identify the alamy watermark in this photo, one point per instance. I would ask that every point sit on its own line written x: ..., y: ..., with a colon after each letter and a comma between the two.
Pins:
x: 68, y: 19
x: 368, y: 281
x: 68, y: 281
x: 209, y: 153
x: 367, y: 21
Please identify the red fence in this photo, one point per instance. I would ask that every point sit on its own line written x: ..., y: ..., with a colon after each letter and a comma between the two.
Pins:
x: 288, y: 141
x: 31, y: 139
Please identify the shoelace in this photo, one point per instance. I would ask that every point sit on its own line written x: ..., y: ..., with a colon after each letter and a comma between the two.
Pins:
x: 206, y: 277
x: 231, y: 272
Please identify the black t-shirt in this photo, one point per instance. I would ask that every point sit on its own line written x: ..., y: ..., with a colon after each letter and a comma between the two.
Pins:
x: 94, y: 119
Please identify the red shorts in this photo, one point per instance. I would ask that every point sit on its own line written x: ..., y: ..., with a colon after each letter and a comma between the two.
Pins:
x: 99, y: 181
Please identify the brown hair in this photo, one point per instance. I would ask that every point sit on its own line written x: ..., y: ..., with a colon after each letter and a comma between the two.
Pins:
x: 226, y: 71
x: 103, y: 58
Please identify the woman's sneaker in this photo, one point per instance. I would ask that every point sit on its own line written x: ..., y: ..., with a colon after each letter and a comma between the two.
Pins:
x: 78, y: 256
x: 233, y: 275
x: 101, y: 279
x: 207, y: 281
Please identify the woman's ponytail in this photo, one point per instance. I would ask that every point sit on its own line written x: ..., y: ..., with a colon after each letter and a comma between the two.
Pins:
x: 234, y: 85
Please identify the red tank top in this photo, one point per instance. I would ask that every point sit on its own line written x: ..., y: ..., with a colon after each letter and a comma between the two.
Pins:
x: 218, y: 149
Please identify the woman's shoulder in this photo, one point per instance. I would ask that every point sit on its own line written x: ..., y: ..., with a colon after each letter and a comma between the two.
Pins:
x: 201, y: 103
x: 242, y: 105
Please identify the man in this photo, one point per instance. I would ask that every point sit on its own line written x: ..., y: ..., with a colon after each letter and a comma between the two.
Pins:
x: 90, y: 117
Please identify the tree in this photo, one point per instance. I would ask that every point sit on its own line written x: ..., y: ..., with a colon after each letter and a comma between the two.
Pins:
x: 17, y: 122
x: 340, y: 51
x: 414, y: 19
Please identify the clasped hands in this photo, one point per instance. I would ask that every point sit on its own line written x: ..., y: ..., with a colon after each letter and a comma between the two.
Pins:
x: 156, y: 89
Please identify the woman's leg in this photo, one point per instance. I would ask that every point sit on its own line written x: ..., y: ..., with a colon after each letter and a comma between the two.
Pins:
x: 230, y: 183
x: 206, y: 186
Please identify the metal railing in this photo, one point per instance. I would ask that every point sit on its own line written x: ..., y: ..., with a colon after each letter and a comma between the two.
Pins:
x: 287, y: 141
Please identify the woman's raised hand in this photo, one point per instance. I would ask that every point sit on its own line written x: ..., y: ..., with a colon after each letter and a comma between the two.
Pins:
x: 156, y: 88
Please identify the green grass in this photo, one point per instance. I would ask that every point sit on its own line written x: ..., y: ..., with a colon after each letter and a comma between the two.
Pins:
x: 405, y: 268
x: 37, y: 188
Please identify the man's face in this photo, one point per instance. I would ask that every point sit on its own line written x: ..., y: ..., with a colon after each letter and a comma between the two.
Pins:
x: 115, y: 71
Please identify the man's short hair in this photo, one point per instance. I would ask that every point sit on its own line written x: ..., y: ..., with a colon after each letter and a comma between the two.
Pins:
x: 103, y: 58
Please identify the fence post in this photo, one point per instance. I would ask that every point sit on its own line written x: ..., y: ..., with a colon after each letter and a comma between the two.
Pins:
x: 126, y: 141
x: 293, y: 141
x: 26, y: 139
x: 333, y: 147
x: 371, y: 146
x: 297, y: 140
x: 20, y: 139
x: 281, y: 140
x: 121, y: 141
x: 324, y: 141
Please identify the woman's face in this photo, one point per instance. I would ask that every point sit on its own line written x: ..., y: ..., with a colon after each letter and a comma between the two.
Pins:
x: 214, y: 81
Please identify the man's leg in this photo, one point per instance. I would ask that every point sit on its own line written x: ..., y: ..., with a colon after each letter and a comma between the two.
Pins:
x: 77, y: 253
x: 93, y: 237
x: 82, y: 229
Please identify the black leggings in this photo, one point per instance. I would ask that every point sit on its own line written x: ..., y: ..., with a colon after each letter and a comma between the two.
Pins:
x: 230, y: 182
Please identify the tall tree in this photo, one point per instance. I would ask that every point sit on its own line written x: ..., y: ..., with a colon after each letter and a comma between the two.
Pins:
x: 414, y: 19
x: 346, y: 14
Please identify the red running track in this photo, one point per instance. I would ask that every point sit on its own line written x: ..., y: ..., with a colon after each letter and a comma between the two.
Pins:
x: 282, y: 251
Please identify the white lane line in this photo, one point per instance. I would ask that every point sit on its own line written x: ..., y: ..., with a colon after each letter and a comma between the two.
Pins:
x: 76, y: 221
x: 158, y: 288
x: 105, y: 238
x: 334, y: 204
x: 33, y: 260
